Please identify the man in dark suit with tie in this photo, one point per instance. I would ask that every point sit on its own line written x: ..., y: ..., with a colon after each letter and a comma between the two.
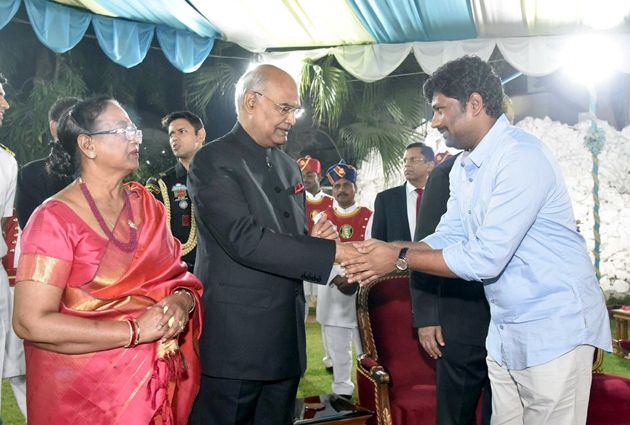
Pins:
x: 452, y: 318
x: 395, y: 209
x: 253, y: 253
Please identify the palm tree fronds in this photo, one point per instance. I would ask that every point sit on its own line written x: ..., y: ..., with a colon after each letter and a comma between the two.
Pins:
x: 327, y: 86
x: 389, y: 139
x: 208, y: 82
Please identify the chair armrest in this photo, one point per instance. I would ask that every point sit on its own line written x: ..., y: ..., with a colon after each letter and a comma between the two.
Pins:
x: 374, y: 369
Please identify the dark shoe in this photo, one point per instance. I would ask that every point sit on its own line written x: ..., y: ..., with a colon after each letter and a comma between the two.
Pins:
x: 341, y: 402
x: 329, y: 370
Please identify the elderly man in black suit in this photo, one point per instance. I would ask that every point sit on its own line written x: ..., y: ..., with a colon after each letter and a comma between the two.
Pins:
x: 396, y: 209
x: 253, y: 253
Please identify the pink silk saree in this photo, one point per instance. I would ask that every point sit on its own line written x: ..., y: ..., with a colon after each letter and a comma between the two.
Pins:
x: 151, y: 383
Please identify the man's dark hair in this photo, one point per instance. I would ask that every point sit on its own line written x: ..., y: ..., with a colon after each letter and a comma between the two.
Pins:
x: 60, y: 106
x: 460, y: 78
x: 426, y: 151
x: 193, y: 119
x: 3, y: 79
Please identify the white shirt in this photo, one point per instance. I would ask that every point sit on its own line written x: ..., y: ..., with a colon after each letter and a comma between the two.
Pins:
x: 412, y: 198
x: 8, y: 181
x: 315, y: 198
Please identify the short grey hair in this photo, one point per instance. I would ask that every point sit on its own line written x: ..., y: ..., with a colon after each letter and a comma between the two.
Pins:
x: 254, y: 80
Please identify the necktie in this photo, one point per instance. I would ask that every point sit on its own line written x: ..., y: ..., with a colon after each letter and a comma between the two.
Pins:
x: 418, y: 199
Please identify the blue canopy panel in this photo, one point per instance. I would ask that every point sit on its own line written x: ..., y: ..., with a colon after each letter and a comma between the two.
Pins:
x: 8, y: 9
x: 124, y: 42
x: 177, y: 14
x: 59, y: 28
x: 185, y: 50
x: 416, y: 20
x: 186, y: 38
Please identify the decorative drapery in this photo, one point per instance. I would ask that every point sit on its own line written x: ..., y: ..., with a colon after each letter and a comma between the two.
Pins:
x: 184, y: 36
x: 368, y: 38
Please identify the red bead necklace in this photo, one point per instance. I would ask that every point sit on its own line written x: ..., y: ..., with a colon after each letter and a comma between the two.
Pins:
x: 133, y: 234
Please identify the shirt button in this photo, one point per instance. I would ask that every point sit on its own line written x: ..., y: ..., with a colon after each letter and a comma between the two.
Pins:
x: 470, y: 179
x: 277, y: 189
x: 469, y: 212
x: 500, y: 326
x: 286, y: 214
x: 461, y: 164
x: 493, y: 301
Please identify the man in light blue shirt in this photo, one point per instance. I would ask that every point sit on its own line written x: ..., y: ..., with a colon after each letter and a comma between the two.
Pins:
x: 510, y: 225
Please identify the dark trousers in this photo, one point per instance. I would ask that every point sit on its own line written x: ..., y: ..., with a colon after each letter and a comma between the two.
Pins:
x: 239, y: 402
x: 461, y: 375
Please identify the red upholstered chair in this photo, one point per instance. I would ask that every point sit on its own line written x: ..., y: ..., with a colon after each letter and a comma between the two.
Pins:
x: 609, y: 402
x: 394, y: 378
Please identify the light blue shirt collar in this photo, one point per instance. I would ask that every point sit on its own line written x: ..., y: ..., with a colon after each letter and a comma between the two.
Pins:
x: 486, y: 146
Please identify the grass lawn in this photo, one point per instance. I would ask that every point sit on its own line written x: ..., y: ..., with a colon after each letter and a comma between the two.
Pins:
x: 316, y: 381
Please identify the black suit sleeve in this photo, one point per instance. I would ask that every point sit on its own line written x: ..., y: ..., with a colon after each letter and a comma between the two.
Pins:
x: 424, y: 288
x: 217, y: 188
x: 27, y: 197
x: 434, y: 200
x: 379, y: 221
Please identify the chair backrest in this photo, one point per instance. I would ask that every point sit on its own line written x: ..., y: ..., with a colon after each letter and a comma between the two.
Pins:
x: 387, y: 335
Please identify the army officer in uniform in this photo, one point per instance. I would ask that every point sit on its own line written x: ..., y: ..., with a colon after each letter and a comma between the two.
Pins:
x: 186, y: 135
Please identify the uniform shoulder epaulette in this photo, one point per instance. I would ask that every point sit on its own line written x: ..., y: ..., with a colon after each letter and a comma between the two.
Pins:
x: 7, y: 149
x: 152, y: 185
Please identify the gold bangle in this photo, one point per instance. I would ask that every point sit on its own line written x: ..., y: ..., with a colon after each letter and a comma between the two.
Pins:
x: 131, y: 334
x: 192, y: 297
x: 137, y: 339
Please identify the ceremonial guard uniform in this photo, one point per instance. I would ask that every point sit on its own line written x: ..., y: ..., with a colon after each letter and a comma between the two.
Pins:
x: 12, y: 362
x: 336, y: 311
x: 316, y: 204
x: 351, y: 222
x: 11, y: 234
x: 333, y: 307
x: 170, y: 189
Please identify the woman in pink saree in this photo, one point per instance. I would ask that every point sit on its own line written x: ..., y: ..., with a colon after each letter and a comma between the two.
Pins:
x: 107, y: 309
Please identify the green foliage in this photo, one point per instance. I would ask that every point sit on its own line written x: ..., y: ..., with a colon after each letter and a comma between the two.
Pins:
x: 328, y: 87
x: 210, y: 82
x: 388, y: 139
x: 316, y: 379
x: 356, y: 118
x: 616, y: 365
x: 25, y: 128
x: 364, y: 117
x: 314, y: 382
x: 617, y: 299
x: 37, y: 77
x: 11, y: 414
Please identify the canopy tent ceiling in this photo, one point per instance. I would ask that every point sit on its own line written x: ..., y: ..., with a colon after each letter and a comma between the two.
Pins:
x: 369, y: 38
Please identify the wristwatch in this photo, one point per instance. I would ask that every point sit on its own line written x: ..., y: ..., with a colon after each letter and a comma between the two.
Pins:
x: 401, y: 262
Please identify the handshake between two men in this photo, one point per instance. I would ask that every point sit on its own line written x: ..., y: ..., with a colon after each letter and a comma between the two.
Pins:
x: 368, y: 260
